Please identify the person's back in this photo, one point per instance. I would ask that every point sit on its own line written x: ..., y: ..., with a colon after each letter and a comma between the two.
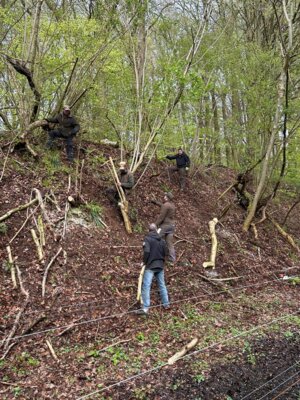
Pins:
x: 167, y: 214
x: 155, y: 250
x: 166, y: 223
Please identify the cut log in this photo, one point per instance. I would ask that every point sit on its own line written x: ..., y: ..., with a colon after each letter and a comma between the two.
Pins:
x: 12, y: 267
x: 51, y: 350
x: 41, y: 231
x: 284, y: 233
x: 212, y: 263
x: 14, y: 210
x: 37, y: 244
x: 172, y: 360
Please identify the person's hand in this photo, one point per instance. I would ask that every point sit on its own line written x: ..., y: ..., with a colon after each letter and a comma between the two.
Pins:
x: 186, y: 168
x: 153, y: 201
x: 120, y: 184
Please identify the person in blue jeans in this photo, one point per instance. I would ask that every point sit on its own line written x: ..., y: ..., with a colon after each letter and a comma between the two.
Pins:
x: 155, y: 251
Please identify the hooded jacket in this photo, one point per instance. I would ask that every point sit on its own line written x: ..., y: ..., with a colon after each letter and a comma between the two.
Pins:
x: 155, y: 251
x: 68, y: 126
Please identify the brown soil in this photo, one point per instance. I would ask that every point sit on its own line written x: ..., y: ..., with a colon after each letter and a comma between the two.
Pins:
x: 92, y: 285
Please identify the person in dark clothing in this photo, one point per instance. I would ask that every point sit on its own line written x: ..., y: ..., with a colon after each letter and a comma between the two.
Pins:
x: 166, y: 223
x: 182, y: 166
x: 155, y: 250
x: 126, y: 182
x: 68, y: 127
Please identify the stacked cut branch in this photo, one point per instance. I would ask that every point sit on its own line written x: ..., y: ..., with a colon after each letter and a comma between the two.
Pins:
x: 123, y: 201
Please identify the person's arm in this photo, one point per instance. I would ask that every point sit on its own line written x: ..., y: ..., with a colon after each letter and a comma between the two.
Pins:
x: 130, y: 182
x: 156, y: 202
x: 187, y: 160
x: 146, y: 246
x: 53, y: 120
x: 162, y: 215
x: 172, y: 157
x: 76, y: 127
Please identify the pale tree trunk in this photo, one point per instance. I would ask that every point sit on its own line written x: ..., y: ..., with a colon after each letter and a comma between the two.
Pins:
x: 267, y: 159
x: 161, y: 120
x: 227, y: 141
x: 216, y: 136
x: 282, y: 94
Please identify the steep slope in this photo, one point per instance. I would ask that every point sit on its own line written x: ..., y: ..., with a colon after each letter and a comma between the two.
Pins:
x: 91, y: 286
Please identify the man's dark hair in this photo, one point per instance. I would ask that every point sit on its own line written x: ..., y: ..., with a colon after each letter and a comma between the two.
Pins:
x: 152, y: 227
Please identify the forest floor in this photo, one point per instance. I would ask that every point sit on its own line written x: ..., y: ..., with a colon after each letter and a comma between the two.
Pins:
x: 247, y: 322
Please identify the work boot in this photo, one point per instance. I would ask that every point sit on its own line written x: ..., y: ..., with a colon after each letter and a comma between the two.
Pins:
x: 142, y: 311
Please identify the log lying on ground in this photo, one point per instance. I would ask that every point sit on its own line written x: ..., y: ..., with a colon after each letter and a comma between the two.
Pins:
x: 20, y: 208
x: 12, y: 267
x: 38, y: 245
x: 172, y: 360
x: 284, y: 233
x: 212, y: 262
x: 51, y: 350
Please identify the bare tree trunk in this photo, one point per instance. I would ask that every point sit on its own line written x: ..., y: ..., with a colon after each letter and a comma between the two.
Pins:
x: 263, y: 177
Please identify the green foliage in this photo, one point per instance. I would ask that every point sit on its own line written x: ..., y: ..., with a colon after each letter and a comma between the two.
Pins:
x: 117, y: 355
x: 251, y: 358
x: 3, y: 228
x: 140, y: 337
x: 199, y: 378
x: 95, y: 212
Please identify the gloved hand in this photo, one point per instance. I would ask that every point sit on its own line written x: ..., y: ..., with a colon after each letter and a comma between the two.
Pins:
x: 187, y: 168
x: 153, y: 201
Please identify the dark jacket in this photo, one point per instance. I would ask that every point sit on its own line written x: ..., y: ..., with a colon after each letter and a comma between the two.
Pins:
x: 155, y: 251
x: 127, y: 180
x: 68, y: 126
x: 167, y: 215
x: 182, y: 160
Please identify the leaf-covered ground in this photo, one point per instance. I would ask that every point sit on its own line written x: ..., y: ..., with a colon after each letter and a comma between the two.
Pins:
x: 248, y: 326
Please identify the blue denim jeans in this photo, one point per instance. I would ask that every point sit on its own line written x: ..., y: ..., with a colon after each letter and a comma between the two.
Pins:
x: 147, y: 281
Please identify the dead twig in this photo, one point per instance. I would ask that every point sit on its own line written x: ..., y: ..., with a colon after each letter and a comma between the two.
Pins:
x: 67, y: 207
x: 20, y: 208
x: 12, y: 267
x: 24, y: 292
x: 51, y: 350
x: 7, y: 341
x: 23, y: 225
x: 37, y: 244
x: 47, y: 270
x: 114, y: 344
x: 38, y: 196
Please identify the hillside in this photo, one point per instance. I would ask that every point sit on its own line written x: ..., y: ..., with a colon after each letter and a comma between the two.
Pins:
x: 246, y: 318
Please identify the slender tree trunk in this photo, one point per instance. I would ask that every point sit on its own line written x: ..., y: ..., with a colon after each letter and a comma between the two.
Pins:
x: 267, y: 159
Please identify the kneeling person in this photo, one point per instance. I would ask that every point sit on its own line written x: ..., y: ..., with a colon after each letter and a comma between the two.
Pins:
x: 155, y: 251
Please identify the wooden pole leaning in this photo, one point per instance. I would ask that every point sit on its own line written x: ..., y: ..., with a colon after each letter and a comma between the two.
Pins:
x: 123, y: 204
x: 140, y: 282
